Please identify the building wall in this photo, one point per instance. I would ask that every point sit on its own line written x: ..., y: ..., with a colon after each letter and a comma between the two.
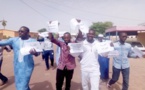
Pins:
x: 11, y: 33
x: 1, y: 35
x: 141, y: 38
x: 130, y: 38
x: 16, y: 33
x: 8, y: 33
x: 33, y: 34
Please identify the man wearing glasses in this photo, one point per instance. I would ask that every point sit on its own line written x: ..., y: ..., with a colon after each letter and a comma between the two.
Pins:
x: 121, y: 63
x: 23, y: 64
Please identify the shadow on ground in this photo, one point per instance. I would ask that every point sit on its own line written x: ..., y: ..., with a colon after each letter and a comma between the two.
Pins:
x: 75, y: 86
x: 115, y: 87
x: 41, y: 86
x: 10, y: 81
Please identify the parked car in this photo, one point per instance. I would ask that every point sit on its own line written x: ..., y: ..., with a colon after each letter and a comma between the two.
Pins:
x: 139, y: 45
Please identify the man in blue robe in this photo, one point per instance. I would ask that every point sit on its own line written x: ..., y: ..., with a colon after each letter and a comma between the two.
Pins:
x: 23, y: 64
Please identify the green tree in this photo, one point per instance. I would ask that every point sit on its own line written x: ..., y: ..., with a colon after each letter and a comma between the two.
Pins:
x: 42, y: 30
x: 4, y: 23
x: 100, y: 27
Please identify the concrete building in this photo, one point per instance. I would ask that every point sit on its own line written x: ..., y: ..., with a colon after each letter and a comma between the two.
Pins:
x: 4, y: 34
x: 138, y: 32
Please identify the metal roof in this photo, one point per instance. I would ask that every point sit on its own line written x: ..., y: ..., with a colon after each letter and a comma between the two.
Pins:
x: 131, y: 30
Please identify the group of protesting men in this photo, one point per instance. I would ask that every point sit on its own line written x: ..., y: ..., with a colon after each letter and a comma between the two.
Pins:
x: 92, y: 64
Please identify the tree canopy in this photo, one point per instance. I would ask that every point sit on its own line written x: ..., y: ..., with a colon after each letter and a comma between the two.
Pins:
x: 3, y: 23
x: 100, y: 27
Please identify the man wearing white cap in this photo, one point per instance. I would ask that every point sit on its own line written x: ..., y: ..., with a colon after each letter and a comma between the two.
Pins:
x: 100, y: 36
x: 104, y: 63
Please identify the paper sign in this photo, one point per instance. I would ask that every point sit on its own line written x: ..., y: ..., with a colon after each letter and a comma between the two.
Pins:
x: 38, y: 46
x: 74, y: 25
x: 25, y: 50
x: 138, y: 52
x: 75, y: 48
x: 104, y: 47
x: 53, y: 26
x: 83, y: 27
x: 114, y: 53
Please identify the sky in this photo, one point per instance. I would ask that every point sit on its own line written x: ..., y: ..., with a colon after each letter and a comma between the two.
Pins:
x: 36, y: 13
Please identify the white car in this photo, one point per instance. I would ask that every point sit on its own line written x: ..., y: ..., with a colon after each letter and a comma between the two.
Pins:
x: 139, y: 45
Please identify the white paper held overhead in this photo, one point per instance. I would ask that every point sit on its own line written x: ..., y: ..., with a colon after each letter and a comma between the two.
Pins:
x: 83, y: 27
x: 53, y: 26
x: 74, y: 25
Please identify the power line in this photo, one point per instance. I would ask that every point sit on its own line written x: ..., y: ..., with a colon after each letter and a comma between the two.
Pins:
x: 67, y: 6
x: 61, y: 10
x: 47, y: 6
x: 33, y: 9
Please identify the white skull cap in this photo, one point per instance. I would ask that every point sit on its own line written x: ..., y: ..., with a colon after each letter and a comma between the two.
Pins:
x: 100, y: 35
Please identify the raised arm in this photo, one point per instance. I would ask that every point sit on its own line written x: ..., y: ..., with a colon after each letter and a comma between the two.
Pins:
x: 53, y: 40
x: 79, y: 37
x: 51, y: 37
x: 6, y: 42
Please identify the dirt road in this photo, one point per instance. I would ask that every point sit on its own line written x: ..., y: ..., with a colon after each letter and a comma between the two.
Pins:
x: 45, y: 80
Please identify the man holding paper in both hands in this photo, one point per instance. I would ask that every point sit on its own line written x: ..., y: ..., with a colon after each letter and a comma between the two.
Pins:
x: 23, y: 64
x: 121, y: 63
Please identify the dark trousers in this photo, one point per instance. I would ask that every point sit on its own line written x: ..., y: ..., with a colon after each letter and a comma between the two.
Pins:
x: 2, y: 77
x: 49, y: 55
x: 68, y: 74
x: 1, y: 61
x: 115, y: 77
